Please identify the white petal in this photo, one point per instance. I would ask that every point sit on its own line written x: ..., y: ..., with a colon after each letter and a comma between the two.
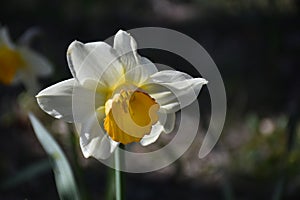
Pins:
x: 97, y: 61
x: 5, y: 38
x: 137, y: 68
x: 173, y: 90
x: 56, y: 100
x: 165, y: 124
x: 126, y: 47
x: 107, y: 147
x: 37, y: 63
x: 156, y: 130
x: 167, y: 120
x: 28, y: 36
x: 29, y: 80
x: 141, y: 72
x: 94, y: 141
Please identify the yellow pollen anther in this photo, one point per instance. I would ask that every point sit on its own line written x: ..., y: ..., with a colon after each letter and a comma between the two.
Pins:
x: 130, y: 116
x: 10, y: 62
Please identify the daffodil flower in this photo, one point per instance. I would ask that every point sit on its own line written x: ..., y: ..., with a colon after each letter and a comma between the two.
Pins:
x: 20, y: 63
x: 133, y: 101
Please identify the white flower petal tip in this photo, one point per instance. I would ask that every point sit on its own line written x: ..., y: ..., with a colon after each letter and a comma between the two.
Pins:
x: 124, y: 43
x: 63, y: 88
x: 173, y: 90
x: 203, y: 81
x: 122, y: 32
x: 5, y: 38
x: 29, y: 35
x: 123, y: 35
x: 56, y: 100
x: 74, y: 44
x: 96, y: 61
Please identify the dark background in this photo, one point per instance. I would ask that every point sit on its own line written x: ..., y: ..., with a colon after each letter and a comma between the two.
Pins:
x: 255, y: 44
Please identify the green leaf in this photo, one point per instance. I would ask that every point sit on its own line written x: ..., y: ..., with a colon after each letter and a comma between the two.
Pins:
x: 65, y: 182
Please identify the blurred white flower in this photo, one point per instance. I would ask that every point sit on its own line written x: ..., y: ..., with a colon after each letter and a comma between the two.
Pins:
x: 20, y: 63
x: 133, y: 101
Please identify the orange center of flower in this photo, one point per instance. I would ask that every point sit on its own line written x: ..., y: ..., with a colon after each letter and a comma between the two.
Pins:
x: 10, y: 62
x: 130, y: 116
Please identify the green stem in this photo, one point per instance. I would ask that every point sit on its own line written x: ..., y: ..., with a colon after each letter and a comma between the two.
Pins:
x: 118, y: 173
x: 110, y: 191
